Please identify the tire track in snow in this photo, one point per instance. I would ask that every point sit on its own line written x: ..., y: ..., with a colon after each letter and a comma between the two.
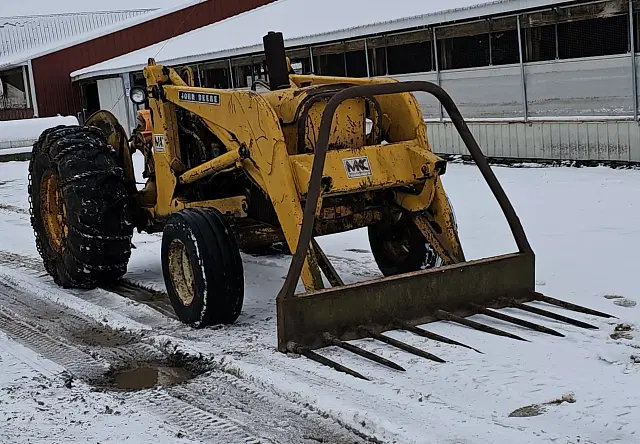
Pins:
x: 71, y: 358
x: 82, y: 366
x: 32, y: 326
x: 225, y: 409
x: 228, y: 396
x: 197, y: 422
x: 159, y: 313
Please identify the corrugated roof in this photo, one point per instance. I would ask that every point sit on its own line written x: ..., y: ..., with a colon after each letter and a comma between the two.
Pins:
x: 48, y: 47
x: 23, y: 8
x: 304, y: 23
x: 20, y: 34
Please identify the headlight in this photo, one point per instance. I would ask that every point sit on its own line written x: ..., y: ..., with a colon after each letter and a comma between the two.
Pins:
x: 138, y: 95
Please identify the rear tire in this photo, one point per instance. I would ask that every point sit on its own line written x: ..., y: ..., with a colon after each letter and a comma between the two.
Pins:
x: 79, y: 207
x: 202, y: 268
x: 400, y: 247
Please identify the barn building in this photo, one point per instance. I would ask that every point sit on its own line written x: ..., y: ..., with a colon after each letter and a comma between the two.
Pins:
x: 536, y: 79
x: 39, y: 53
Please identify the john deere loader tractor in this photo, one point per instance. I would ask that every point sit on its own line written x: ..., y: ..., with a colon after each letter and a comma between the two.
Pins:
x: 228, y: 170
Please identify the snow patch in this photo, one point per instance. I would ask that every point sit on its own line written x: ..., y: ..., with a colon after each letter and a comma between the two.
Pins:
x: 15, y: 134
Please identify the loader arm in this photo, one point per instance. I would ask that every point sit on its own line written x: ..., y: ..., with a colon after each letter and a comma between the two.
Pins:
x: 248, y: 126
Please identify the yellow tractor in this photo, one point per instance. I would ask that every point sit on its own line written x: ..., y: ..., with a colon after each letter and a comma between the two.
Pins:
x: 228, y: 170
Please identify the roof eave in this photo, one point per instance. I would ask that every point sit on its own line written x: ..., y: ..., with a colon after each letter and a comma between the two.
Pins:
x: 484, y: 10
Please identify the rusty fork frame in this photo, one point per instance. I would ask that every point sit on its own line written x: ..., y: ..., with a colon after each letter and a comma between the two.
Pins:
x: 449, y: 293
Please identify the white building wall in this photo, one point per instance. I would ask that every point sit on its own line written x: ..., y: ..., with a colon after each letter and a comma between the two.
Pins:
x: 580, y: 109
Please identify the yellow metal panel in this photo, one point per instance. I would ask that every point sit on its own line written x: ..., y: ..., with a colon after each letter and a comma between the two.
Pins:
x: 368, y: 168
x: 235, y: 206
x: 348, y: 129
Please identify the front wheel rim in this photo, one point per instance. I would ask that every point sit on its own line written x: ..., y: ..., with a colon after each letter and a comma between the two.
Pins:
x: 181, y: 272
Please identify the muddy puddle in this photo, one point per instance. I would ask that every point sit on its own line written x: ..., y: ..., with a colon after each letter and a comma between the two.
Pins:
x: 148, y: 374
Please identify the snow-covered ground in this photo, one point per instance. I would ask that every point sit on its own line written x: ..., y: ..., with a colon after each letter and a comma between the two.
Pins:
x: 582, y: 223
x: 40, y: 403
x: 17, y: 136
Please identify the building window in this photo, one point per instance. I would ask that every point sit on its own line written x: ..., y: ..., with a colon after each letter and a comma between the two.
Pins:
x: 13, y: 91
x: 356, y: 62
x: 330, y: 64
x: 504, y: 47
x: 540, y: 43
x: 216, y: 78
x: 410, y: 58
x: 378, y: 61
x: 464, y: 52
x: 593, y: 37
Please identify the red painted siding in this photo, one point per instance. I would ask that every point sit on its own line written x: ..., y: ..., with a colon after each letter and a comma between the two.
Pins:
x: 54, y: 90
x: 16, y: 114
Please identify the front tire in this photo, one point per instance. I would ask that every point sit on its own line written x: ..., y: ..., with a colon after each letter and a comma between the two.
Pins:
x: 79, y: 207
x: 400, y: 247
x: 202, y: 268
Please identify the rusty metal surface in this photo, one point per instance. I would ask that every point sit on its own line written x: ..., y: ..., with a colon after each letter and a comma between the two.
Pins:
x: 362, y: 352
x: 517, y: 321
x: 256, y: 235
x: 452, y: 317
x: 414, y: 298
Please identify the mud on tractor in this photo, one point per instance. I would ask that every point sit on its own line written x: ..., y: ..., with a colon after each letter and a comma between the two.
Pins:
x: 230, y: 169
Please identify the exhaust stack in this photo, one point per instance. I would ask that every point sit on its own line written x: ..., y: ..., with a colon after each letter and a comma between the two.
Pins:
x: 276, y: 60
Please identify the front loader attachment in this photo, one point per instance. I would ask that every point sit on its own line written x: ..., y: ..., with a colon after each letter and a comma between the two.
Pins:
x: 449, y: 293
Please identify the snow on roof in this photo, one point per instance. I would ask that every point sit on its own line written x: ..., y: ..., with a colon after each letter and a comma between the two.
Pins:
x: 303, y: 23
x: 49, y: 46
x: 39, y: 7
x: 21, y: 34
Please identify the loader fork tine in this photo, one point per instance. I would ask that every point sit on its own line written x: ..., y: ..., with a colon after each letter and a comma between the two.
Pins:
x: 325, y: 265
x: 430, y: 335
x: 516, y: 321
x: 446, y: 316
x: 556, y: 316
x: 569, y: 306
x: 362, y: 352
x: 304, y: 351
x: 403, y: 346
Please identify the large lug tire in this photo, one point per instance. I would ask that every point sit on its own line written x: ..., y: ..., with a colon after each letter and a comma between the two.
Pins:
x: 400, y: 247
x: 202, y: 268
x: 80, y: 208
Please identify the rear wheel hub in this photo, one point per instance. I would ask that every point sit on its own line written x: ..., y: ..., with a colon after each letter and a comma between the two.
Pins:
x: 53, y: 212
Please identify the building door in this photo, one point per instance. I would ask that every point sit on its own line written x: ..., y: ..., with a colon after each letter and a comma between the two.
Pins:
x: 113, y: 98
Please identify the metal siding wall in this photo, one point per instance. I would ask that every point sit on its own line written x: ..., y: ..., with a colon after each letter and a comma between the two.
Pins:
x: 617, y: 141
x: 429, y: 105
x: 482, y: 92
x: 563, y: 92
x: 55, y: 93
x: 594, y: 87
x: 599, y: 86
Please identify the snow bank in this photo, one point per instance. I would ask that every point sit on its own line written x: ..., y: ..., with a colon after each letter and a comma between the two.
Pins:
x: 24, y: 132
